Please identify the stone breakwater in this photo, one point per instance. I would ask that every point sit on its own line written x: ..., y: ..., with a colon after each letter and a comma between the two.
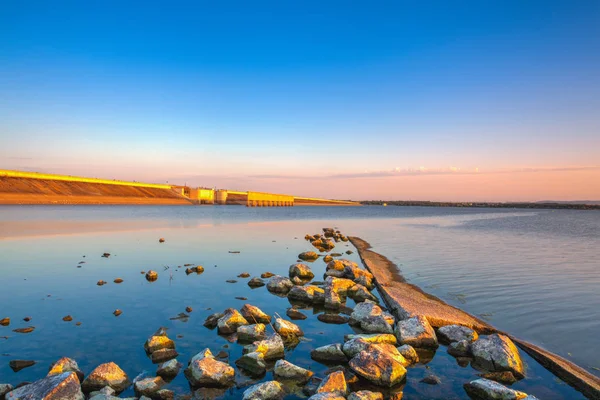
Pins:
x: 371, y: 363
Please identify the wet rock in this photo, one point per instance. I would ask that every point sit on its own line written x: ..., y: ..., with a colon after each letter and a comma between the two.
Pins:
x: 301, y: 271
x: 279, y: 284
x: 323, y: 244
x: 461, y: 348
x: 329, y: 318
x: 287, y: 329
x: 254, y: 314
x: 231, y: 281
x: 431, y: 380
x: 417, y: 332
x: 271, y: 390
x: 371, y: 318
x: 28, y: 329
x: 155, y: 343
x: 271, y: 348
x: 148, y: 386
x: 162, y: 355
x: 485, y: 389
x: 108, y: 374
x: 373, y: 337
x: 502, y: 377
x: 204, y: 370
x: 307, y: 294
x: 334, y: 383
x: 256, y: 282
x: 169, y: 369
x: 118, y: 280
x: 151, y: 276
x: 378, y: 367
x: 349, y: 252
x: 251, y: 333
x: 161, y: 240
x: 55, y: 387
x: 67, y: 318
x: 117, y: 312
x: 308, y: 256
x: 17, y: 365
x: 189, y: 309
x: 330, y: 353
x: 253, y: 363
x: 244, y: 275
x: 266, y: 275
x: 497, y: 353
x: 212, y: 320
x: 286, y: 370
x: 409, y: 353
x: 101, y: 283
x: 327, y: 258
x: 353, y: 347
x: 66, y: 364
x: 456, y: 333
x: 106, y: 393
x: 360, y: 293
x: 339, y: 285
x: 5, y: 388
x: 365, y: 395
x: 326, y: 396
x: 333, y: 300
x: 5, y: 321
x: 105, y: 255
x: 293, y: 313
x: 230, y: 321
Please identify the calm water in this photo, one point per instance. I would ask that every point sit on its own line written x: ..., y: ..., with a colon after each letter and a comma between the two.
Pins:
x: 533, y: 273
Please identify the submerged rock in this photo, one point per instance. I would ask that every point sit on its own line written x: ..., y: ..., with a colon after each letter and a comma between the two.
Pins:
x: 108, y: 374
x: 271, y: 348
x: 254, y: 314
x: 256, y: 282
x: 456, y: 333
x: 330, y: 318
x: 417, y: 332
x: 286, y: 370
x: 279, y: 284
x: 271, y: 390
x: 301, y: 271
x: 204, y: 370
x: 66, y: 364
x: 253, y: 363
x: 293, y: 313
x: 5, y: 321
x: 461, y: 348
x: 54, y: 387
x: 330, y: 353
x: 230, y: 321
x: 266, y: 275
x: 17, y: 365
x: 308, y: 256
x: 497, y: 353
x: 251, y: 333
x: 485, y: 389
x: 431, y: 380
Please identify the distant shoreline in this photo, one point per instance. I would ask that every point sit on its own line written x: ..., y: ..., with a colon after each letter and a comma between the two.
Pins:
x: 554, y: 206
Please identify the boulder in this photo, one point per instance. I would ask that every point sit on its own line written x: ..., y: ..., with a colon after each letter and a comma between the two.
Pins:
x: 330, y: 353
x: 461, y: 348
x: 157, y: 343
x: 230, y: 321
x: 326, y: 396
x: 307, y: 294
x: 365, y: 395
x: 53, y: 387
x: 162, y: 355
x: 301, y: 271
x: 212, y: 320
x: 339, y: 285
x: 251, y: 333
x: 334, y: 383
x: 308, y: 256
x: 151, y: 276
x: 360, y: 293
x: 256, y: 282
x: 66, y: 364
x: 108, y: 374
x: 353, y: 347
x: 373, y: 337
x: 409, y: 353
x: 279, y: 284
x: 271, y: 348
x: 252, y: 363
x: 497, y: 353
x: 502, y: 377
x: 169, y: 369
x: 456, y: 333
x: 371, y: 318
x: 287, y: 329
x: 295, y: 314
x: 5, y: 388
x: 286, y: 370
x: 327, y: 259
x: 417, y: 332
x: 204, y: 370
x: 270, y: 390
x: 148, y: 386
x: 378, y: 367
x: 330, y: 318
x: 485, y: 389
x: 333, y: 300
x: 254, y: 314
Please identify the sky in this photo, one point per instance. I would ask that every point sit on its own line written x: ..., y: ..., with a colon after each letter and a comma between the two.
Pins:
x: 405, y: 100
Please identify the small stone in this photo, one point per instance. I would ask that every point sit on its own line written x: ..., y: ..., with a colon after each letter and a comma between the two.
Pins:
x: 331, y: 353
x: 27, y: 319
x: 244, y: 275
x: 231, y: 281
x: 108, y: 374
x: 409, y: 353
x: 204, y: 370
x: 486, y: 389
x: 301, y: 271
x: 294, y: 314
x: 118, y: 280
x: 158, y: 342
x: 286, y: 370
x: 117, y: 312
x: 101, y: 282
x: 5, y: 321
x: 332, y: 318
x: 334, y: 383
x: 106, y: 255
x: 349, y: 252
x: 279, y: 284
x: 67, y: 318
x: 272, y: 348
x: 212, y: 320
x: 287, y: 329
x: 251, y: 333
x: 17, y: 365
x: 66, y: 364
x: 151, y: 276
x: 502, y: 377
x: 189, y: 309
x: 431, y: 380
x: 162, y: 355
x: 456, y: 333
x: 266, y: 275
x: 169, y: 369
x: 461, y: 348
x: 230, y: 321
x: 28, y: 329
x: 254, y: 314
x: 256, y: 282
x: 308, y: 256
x: 161, y: 240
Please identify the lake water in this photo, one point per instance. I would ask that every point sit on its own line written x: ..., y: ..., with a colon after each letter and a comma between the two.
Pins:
x: 535, y: 274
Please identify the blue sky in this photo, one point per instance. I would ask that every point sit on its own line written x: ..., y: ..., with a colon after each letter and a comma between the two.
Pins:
x: 276, y: 94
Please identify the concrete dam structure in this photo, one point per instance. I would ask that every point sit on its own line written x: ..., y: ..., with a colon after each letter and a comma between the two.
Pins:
x: 19, y: 187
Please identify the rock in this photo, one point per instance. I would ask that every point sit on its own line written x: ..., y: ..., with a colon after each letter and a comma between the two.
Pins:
x: 456, y: 333
x: 326, y: 396
x: 460, y: 349
x: 5, y: 321
x: 271, y: 348
x: 230, y: 321
x: 28, y: 329
x: 251, y: 333
x: 334, y: 383
x: 331, y: 353
x: 333, y: 300
x: 270, y: 390
x: 67, y: 318
x: 279, y: 284
x: 254, y: 314
x: 431, y: 380
x: 497, y: 353
x: 266, y: 275
x: 349, y: 252
x: 301, y: 271
x: 148, y: 386
x: 353, y: 347
x: 293, y: 313
x: 105, y: 255
x: 162, y: 355
x: 151, y: 276
x: 371, y: 318
x: 157, y: 343
x: 256, y: 282
x: 502, y: 377
x: 329, y: 318
x: 108, y: 374
x: 409, y: 353
x: 212, y: 320
x: 307, y: 294
x: 117, y: 312
x: 339, y: 285
x: 244, y: 275
x: 204, y: 370
x: 252, y: 363
x: 66, y: 364
x: 104, y: 393
x: 327, y: 258
x: 417, y: 332
x: 101, y: 283
x: 54, y: 387
x: 378, y: 367
x: 373, y: 337
x: 161, y: 240
x: 360, y: 293
x: 287, y: 329
x: 17, y: 365
x: 5, y: 388
x: 231, y: 281
x: 169, y: 369
x: 118, y: 280
x: 365, y: 395
x: 286, y: 370
x: 308, y: 256
x: 485, y: 389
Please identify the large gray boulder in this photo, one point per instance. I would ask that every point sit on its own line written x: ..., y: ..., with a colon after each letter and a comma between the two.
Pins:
x: 169, y: 369
x: 253, y: 363
x: 485, y: 389
x: 271, y: 390
x: 497, y: 353
x: 371, y: 318
x: 54, y: 387
x: 286, y: 370
x: 301, y: 271
x: 204, y: 370
x: 307, y: 294
x: 417, y: 332
x: 251, y: 333
x: 108, y: 374
x: 65, y: 364
x: 279, y: 284
x: 148, y: 386
x: 456, y: 333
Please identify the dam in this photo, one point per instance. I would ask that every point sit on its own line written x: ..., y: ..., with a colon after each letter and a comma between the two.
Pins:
x: 21, y: 187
